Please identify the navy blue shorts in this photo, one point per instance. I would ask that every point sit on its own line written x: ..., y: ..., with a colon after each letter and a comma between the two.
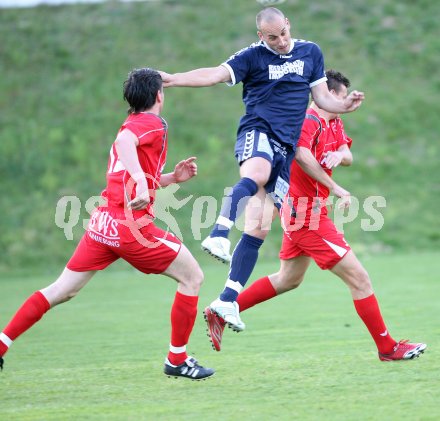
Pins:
x: 257, y: 144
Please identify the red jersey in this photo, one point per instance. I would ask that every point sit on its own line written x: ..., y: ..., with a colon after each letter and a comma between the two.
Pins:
x: 152, y: 132
x: 308, y: 194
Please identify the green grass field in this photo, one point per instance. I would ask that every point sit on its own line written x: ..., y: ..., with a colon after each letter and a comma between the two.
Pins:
x: 304, y: 355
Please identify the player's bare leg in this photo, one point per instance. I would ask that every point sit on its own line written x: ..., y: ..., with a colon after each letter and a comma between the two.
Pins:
x: 186, y: 271
x: 260, y: 212
x: 290, y: 275
x: 67, y: 286
x: 351, y: 271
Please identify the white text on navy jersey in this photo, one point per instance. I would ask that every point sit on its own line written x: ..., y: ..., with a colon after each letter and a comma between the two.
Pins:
x: 277, y: 72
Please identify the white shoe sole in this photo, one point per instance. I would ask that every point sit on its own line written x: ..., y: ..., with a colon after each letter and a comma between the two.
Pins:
x: 222, y: 258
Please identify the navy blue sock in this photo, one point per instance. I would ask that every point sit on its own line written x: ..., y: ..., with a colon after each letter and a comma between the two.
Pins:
x: 243, y: 262
x: 233, y: 205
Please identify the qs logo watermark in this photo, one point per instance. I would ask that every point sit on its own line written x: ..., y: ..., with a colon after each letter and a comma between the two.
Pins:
x: 204, y: 211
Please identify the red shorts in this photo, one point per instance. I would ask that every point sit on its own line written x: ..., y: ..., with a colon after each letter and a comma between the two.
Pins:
x: 326, y: 245
x: 110, y: 236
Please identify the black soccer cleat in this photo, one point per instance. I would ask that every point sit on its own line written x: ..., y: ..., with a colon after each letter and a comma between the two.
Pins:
x: 189, y: 369
x: 1, y: 363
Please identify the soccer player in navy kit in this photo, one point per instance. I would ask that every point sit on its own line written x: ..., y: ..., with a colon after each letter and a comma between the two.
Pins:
x: 278, y: 74
x: 309, y: 233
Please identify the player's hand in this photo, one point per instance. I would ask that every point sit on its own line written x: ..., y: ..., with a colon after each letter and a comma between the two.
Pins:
x: 332, y: 159
x: 166, y: 78
x: 344, y: 196
x: 354, y: 100
x: 186, y: 169
x: 142, y: 198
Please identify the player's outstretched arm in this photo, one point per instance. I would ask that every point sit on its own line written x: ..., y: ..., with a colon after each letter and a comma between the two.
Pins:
x: 328, y: 102
x: 207, y: 76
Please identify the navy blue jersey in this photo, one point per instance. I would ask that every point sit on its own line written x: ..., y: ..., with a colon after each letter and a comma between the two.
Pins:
x: 276, y: 88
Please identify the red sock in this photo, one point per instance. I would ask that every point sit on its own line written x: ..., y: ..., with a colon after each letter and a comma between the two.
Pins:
x: 369, y: 312
x: 261, y: 290
x: 183, y: 316
x: 27, y: 315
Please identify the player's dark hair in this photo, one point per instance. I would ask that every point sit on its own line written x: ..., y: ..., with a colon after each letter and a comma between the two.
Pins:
x: 141, y: 88
x: 335, y: 80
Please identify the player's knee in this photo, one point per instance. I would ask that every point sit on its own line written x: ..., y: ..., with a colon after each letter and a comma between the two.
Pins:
x: 62, y: 297
x: 198, y: 277
x: 361, y: 280
x: 362, y: 276
x: 71, y: 294
x: 287, y: 282
x: 295, y: 282
x: 260, y: 178
x: 65, y: 298
x: 193, y: 278
x: 258, y: 230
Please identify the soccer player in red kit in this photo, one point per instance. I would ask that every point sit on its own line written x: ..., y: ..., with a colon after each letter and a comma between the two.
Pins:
x: 310, y: 234
x: 124, y: 227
